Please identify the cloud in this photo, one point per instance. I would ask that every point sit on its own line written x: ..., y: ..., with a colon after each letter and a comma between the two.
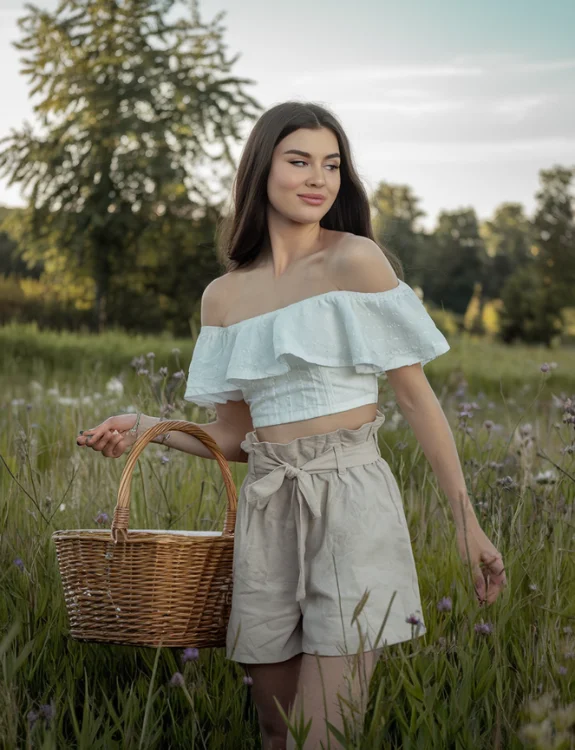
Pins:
x: 440, y: 152
x: 516, y: 108
x: 502, y: 108
x: 542, y: 67
x: 403, y: 108
x: 459, y: 68
x: 372, y: 73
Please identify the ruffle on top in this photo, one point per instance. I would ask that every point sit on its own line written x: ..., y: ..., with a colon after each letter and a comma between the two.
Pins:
x: 371, y: 331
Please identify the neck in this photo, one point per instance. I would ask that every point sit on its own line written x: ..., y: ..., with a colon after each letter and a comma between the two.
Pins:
x: 290, y: 241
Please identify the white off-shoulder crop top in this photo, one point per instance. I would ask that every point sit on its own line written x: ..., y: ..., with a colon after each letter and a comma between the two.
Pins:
x: 318, y: 356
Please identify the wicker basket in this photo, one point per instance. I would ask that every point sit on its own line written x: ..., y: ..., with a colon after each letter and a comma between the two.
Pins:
x: 150, y: 588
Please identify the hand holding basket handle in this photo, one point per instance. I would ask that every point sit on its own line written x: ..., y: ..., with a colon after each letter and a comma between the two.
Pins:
x: 112, y: 437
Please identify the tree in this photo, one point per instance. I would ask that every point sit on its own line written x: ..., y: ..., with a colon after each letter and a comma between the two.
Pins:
x: 508, y: 240
x: 455, y: 261
x: 530, y: 311
x: 139, y: 114
x: 555, y: 232
x: 395, y: 222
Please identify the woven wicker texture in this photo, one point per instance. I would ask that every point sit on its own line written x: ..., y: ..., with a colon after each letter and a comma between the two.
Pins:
x: 150, y: 588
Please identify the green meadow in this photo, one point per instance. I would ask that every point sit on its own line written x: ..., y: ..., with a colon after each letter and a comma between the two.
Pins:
x: 480, y: 678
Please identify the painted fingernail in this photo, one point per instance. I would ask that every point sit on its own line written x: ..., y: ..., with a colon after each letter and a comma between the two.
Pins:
x: 81, y: 432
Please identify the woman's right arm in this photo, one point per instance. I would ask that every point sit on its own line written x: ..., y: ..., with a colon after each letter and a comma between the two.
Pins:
x: 112, y: 438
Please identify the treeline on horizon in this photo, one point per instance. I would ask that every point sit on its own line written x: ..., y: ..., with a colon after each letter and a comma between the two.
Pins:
x: 138, y: 115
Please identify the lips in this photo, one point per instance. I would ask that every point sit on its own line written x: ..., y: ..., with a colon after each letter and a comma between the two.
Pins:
x: 314, y: 200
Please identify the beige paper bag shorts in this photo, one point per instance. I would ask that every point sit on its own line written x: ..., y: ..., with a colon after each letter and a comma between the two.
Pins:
x: 320, y: 521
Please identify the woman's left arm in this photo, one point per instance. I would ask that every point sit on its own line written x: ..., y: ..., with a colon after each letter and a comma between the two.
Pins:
x: 358, y: 264
x: 421, y: 408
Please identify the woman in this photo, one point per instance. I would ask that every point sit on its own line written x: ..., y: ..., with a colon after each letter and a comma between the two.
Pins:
x: 293, y: 337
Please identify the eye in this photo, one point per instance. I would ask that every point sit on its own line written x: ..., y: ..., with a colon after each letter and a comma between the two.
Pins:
x: 299, y: 161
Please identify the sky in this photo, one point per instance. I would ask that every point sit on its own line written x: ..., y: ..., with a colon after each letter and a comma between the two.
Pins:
x: 463, y: 101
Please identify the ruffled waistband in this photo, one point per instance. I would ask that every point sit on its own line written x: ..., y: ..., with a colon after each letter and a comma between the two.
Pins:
x: 303, y: 449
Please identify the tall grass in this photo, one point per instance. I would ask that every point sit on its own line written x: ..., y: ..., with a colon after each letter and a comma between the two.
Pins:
x: 509, y: 685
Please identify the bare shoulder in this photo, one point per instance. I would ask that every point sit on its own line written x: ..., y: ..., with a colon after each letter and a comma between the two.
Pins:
x: 359, y: 264
x: 213, y: 297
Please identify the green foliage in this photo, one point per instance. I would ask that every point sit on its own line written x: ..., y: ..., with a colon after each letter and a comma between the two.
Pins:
x: 456, y: 262
x: 133, y: 105
x: 531, y: 309
x: 508, y: 238
x: 395, y: 225
x: 554, y: 224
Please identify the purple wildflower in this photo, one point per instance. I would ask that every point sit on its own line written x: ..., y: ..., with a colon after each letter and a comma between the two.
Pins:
x: 101, y: 518
x: 507, y: 483
x: 444, y: 604
x: 488, y: 424
x: 561, y: 669
x: 190, y: 654
x: 150, y: 355
x: 485, y: 628
x: 19, y: 564
x: 545, y: 367
x: 143, y: 371
x: 165, y: 459
x: 413, y: 620
x: 163, y: 371
x: 177, y: 680
x: 248, y: 680
x: 32, y: 717
x: 48, y: 712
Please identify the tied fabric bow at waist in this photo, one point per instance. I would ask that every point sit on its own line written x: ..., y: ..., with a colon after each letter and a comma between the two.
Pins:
x: 260, y: 492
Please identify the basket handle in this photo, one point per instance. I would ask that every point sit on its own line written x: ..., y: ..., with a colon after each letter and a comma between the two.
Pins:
x: 121, y: 518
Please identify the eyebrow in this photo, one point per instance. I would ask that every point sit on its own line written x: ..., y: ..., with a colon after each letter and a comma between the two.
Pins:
x: 308, y: 156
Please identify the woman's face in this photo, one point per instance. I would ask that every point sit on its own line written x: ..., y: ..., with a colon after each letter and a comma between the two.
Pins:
x: 312, y: 170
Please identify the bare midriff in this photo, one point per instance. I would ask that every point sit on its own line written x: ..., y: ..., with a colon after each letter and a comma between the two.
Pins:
x: 352, y: 419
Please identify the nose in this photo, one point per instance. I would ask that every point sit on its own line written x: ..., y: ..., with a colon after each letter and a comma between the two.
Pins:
x: 317, y: 177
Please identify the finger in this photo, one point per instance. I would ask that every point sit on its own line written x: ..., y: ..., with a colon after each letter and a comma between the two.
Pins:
x: 494, y: 587
x: 81, y: 438
x: 98, y: 444
x: 110, y: 450
x: 480, y: 586
x: 93, y: 435
x: 121, y: 447
x: 496, y: 573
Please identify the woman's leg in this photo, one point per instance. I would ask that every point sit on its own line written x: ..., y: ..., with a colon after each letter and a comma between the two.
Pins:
x: 279, y: 680
x: 329, y: 686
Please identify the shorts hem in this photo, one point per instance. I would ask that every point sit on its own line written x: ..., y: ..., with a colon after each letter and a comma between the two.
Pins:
x: 383, y: 642
x: 249, y: 659
x: 327, y: 650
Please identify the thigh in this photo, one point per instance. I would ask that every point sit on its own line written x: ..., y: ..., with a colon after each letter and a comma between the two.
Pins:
x: 333, y: 689
x: 274, y: 681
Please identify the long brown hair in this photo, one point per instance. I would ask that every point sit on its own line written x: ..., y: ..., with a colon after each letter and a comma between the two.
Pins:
x: 243, y: 234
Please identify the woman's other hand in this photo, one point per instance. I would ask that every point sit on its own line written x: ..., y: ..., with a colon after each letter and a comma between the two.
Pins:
x: 111, y: 437
x: 486, y: 562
